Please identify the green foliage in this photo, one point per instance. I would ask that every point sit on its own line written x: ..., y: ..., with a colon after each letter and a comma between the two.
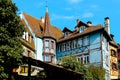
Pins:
x: 70, y: 62
x: 10, y: 31
x: 98, y: 73
x: 90, y: 72
x: 118, y: 64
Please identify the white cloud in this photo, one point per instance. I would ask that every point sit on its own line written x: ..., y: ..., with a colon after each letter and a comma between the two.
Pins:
x: 87, y: 15
x: 74, y: 1
x: 54, y: 17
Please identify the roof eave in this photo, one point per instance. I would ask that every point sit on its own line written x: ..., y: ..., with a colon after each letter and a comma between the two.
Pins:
x: 80, y: 35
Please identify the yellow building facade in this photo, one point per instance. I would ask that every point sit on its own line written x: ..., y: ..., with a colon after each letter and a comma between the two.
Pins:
x: 113, y: 60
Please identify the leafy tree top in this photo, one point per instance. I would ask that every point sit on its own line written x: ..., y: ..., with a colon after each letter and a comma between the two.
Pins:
x: 10, y: 31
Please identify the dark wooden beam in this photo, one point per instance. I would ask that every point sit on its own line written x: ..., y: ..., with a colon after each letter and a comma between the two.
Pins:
x: 54, y: 72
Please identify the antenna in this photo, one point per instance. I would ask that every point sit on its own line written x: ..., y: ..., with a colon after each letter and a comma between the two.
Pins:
x: 46, y: 5
x: 46, y: 2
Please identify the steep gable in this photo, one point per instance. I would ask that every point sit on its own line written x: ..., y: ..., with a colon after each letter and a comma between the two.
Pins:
x: 38, y: 27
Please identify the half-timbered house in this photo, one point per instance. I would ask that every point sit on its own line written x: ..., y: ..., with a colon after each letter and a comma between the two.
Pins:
x: 89, y: 43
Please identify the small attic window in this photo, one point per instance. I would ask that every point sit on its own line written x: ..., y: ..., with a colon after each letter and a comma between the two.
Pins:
x: 81, y: 29
x: 41, y: 29
x: 66, y: 34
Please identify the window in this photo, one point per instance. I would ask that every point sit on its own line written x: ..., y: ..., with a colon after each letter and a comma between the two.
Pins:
x: 84, y: 59
x: 72, y: 44
x: 68, y: 46
x: 66, y: 34
x: 79, y: 42
x: 60, y: 48
x: 23, y: 36
x: 64, y: 47
x: 114, y: 66
x: 113, y: 53
x: 47, y: 58
x: 80, y: 59
x: 46, y: 43
x: 52, y: 44
x: 26, y: 36
x: 85, y: 41
x: 76, y: 42
x: 81, y: 29
x: 24, y: 69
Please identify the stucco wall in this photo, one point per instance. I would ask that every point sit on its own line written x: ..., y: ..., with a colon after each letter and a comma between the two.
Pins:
x: 38, y: 48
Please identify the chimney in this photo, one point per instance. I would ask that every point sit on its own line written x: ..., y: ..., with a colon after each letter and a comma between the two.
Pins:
x: 107, y: 24
x: 89, y: 23
x: 21, y: 15
x: 43, y: 19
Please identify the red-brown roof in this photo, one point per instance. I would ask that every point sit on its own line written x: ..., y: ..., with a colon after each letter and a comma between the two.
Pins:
x: 88, y: 30
x: 27, y: 43
x: 37, y: 24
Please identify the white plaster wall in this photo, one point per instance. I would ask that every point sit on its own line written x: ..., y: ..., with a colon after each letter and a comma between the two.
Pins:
x: 39, y: 48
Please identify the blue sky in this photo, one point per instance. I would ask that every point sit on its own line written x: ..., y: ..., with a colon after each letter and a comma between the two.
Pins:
x: 63, y: 13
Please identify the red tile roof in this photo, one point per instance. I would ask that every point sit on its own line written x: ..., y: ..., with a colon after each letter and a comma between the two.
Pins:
x: 88, y: 30
x: 47, y: 25
x: 37, y: 24
x: 27, y: 43
x: 34, y: 24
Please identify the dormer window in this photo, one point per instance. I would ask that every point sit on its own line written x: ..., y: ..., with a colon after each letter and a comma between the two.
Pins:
x: 25, y: 36
x: 81, y: 29
x: 66, y: 34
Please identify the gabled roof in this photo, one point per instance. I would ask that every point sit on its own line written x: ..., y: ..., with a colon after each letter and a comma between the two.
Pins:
x: 112, y: 42
x: 88, y: 30
x: 67, y: 30
x: 34, y: 23
x: 81, y: 24
x: 26, y: 43
x: 38, y: 27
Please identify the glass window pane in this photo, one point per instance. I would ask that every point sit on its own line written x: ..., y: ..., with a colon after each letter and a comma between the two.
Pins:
x: 47, y: 58
x: 46, y: 43
x: 52, y: 44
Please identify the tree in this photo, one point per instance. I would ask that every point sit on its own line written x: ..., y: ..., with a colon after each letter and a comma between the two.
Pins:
x: 98, y: 73
x: 10, y: 45
x: 70, y: 62
x: 91, y: 72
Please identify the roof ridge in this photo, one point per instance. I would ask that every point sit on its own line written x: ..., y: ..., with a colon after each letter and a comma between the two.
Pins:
x: 31, y: 16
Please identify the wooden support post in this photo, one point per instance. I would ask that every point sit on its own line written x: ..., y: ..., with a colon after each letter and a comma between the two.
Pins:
x: 29, y: 69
